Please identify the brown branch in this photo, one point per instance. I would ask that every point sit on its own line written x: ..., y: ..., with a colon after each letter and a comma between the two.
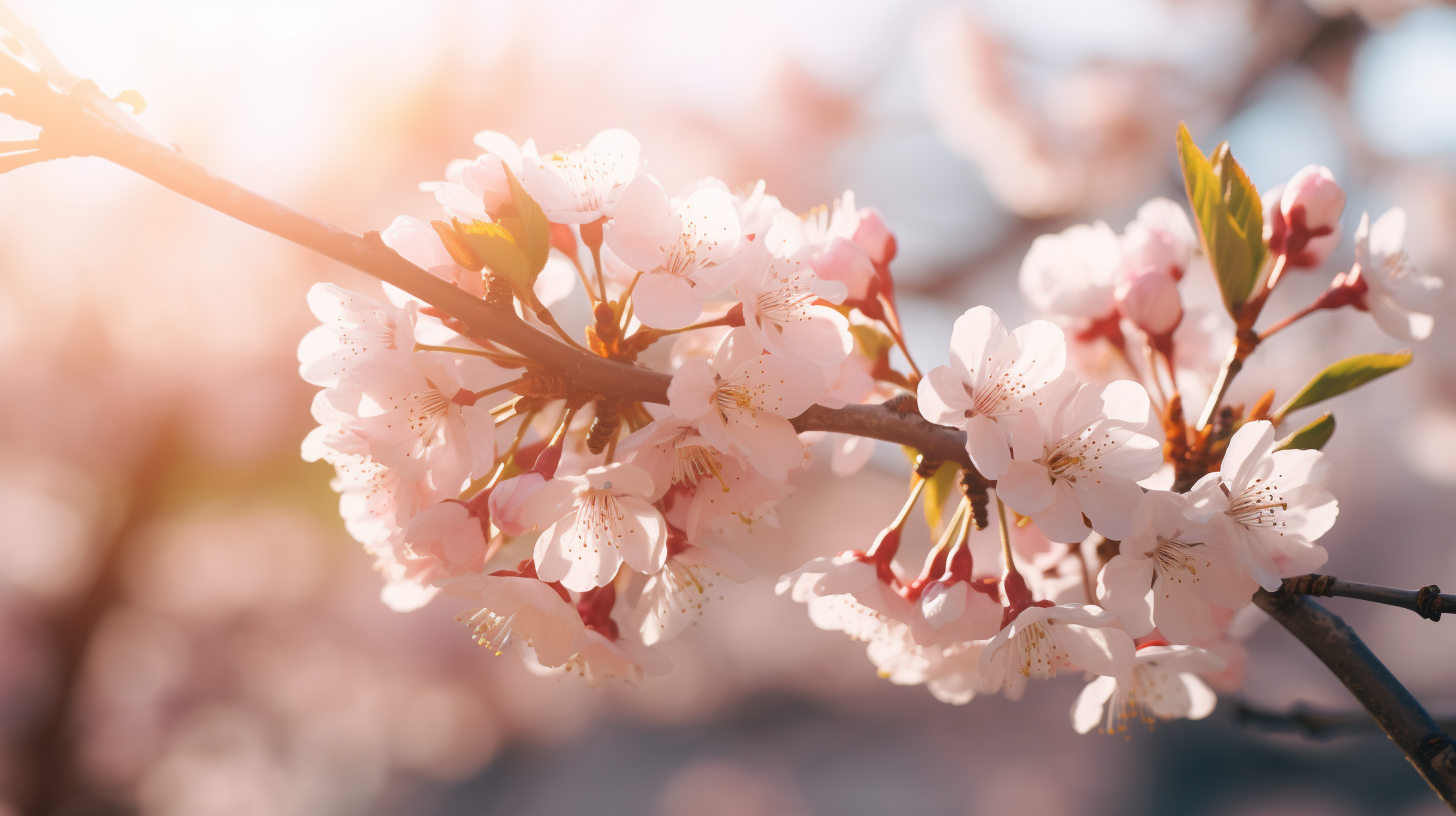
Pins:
x: 86, y: 134
x: 1320, y: 725
x: 1428, y: 602
x: 1398, y: 713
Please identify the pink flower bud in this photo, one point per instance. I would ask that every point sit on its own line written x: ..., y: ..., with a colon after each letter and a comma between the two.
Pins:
x: 1149, y: 298
x: 875, y: 238
x: 1161, y: 238
x: 848, y: 263
x: 1314, y: 190
x: 509, y: 497
x: 1301, y: 218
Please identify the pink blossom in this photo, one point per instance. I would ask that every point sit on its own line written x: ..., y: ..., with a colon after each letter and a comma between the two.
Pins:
x: 1045, y: 641
x: 1150, y: 300
x: 578, y: 186
x: 682, y: 247
x: 594, y: 524
x: 780, y: 306
x: 1161, y: 684
x: 743, y: 398
x: 518, y: 607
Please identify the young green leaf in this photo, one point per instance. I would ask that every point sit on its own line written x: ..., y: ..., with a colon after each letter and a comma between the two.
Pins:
x: 1312, y: 436
x: 1343, y: 376
x: 1230, y: 218
x: 497, y: 247
x: 532, y: 230
x: 937, y: 490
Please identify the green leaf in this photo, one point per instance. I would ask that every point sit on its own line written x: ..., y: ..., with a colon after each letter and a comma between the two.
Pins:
x: 1312, y: 436
x: 497, y: 247
x: 871, y: 341
x: 532, y: 230
x: 937, y: 490
x: 1230, y: 217
x: 1343, y: 376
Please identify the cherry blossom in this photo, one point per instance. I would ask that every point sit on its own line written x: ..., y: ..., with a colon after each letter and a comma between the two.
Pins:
x: 780, y: 306
x: 743, y: 398
x: 1397, y: 296
x: 682, y: 247
x: 354, y: 329
x: 1070, y: 277
x: 454, y: 532
x: 1165, y: 574
x: 418, y: 243
x: 1081, y: 453
x: 671, y: 598
x: 1043, y: 641
x: 472, y: 190
x: 1161, y: 684
x: 994, y: 375
x: 415, y: 414
x: 1267, y: 506
x: 515, y: 606
x: 599, y: 658
x: 1160, y: 239
x: 594, y: 523
x: 579, y: 186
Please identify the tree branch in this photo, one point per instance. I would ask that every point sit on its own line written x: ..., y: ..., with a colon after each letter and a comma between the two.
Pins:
x: 1320, y: 725
x: 1426, y: 746
x: 1428, y: 602
x: 86, y: 134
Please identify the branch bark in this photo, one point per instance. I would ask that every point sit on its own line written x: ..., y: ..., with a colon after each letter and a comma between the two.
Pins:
x: 1425, y: 745
x: 1428, y: 602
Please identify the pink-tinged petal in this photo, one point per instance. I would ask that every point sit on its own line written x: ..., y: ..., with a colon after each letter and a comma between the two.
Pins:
x: 846, y: 262
x: 942, y: 603
x: 1027, y: 438
x: 1027, y: 487
x: 433, y: 523
x: 1041, y: 351
x: 501, y: 145
x: 480, y: 431
x: 851, y: 454
x: 788, y: 386
x: 556, y: 281
x: 832, y: 291
x: 709, y: 216
x: 548, y: 503
x: 406, y: 594
x: 1126, y: 402
x: 771, y: 445
x: 622, y: 478
x: 692, y: 391
x: 552, y: 193
x: 644, y: 543
x: 987, y: 445
x: 1061, y: 521
x: 616, y: 151
x: 665, y: 301
x: 736, y: 351
x: 720, y: 561
x: 1137, y: 620
x: 846, y: 579
x: 1251, y: 444
x: 822, y: 338
x: 643, y: 227
x: 1201, y: 699
x: 1399, y: 322
x: 1087, y: 712
x: 1100, y: 650
x: 417, y: 243
x: 974, y: 340
x: 942, y: 397
x: 1134, y: 456
x: 1124, y: 582
x: 1181, y: 615
x: 464, y: 542
x: 575, y: 556
x: 1110, y: 502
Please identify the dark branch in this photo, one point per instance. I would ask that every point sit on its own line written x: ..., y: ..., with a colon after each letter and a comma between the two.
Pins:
x: 1428, y: 748
x: 1428, y: 602
x: 1320, y: 725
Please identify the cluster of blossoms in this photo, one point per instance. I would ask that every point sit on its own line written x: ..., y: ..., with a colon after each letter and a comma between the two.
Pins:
x: 586, y: 530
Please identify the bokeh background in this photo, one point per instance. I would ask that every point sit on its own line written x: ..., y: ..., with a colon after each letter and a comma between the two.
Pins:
x: 185, y: 628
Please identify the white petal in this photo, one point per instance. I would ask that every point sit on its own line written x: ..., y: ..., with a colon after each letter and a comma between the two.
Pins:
x: 1100, y: 650
x: 987, y: 445
x: 976, y: 336
x: 1087, y: 711
x: 664, y: 301
x: 942, y: 397
x: 1027, y: 487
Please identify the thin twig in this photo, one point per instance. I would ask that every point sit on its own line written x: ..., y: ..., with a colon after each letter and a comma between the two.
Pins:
x: 1428, y: 602
x: 1321, y: 725
x: 1398, y: 713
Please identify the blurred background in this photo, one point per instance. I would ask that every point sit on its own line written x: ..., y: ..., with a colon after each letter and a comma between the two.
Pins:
x: 186, y: 629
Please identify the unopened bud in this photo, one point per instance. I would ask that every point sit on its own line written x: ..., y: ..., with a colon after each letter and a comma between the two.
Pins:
x: 875, y: 238
x: 846, y: 262
x: 1314, y: 190
x: 1150, y: 300
x: 1302, y: 218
